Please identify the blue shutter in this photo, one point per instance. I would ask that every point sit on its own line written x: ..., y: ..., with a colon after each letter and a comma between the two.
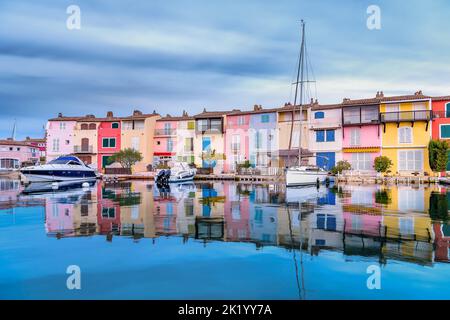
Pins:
x: 319, y: 115
x: 330, y: 135
x: 447, y: 110
x: 445, y: 131
x: 320, y: 137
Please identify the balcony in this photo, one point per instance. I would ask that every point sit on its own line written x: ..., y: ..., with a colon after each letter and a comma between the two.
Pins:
x: 83, y: 149
x: 405, y: 116
x: 440, y: 114
x: 165, y: 132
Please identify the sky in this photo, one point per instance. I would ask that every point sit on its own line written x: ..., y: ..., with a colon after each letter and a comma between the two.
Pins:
x: 177, y: 55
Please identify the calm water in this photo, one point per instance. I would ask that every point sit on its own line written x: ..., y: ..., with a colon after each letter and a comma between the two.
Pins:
x: 224, y: 240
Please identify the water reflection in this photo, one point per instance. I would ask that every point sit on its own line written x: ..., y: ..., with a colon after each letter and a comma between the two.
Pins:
x: 403, y: 223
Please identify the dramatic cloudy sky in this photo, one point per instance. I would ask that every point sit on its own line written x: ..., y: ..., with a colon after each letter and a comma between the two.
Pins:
x: 189, y: 54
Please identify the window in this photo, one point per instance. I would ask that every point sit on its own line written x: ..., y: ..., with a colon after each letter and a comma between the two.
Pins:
x: 9, y: 164
x: 109, y: 142
x: 330, y: 135
x: 351, y: 115
x: 406, y: 226
x: 115, y: 125
x: 445, y: 131
x: 405, y: 135
x: 241, y: 120
x: 84, y: 126
x: 369, y: 115
x: 236, y: 143
x: 92, y: 126
x: 319, y: 115
x: 361, y: 161
x: 169, y: 145
x: 139, y: 125
x: 135, y: 143
x: 411, y: 199
x: 265, y: 118
x: 188, y: 144
x: 447, y: 110
x: 167, y: 128
x: 127, y: 125
x: 18, y: 149
x: 202, y: 125
x: 62, y: 126
x: 216, y: 125
x: 320, y: 136
x: 258, y: 140
x: 410, y: 160
x: 55, y: 145
x: 355, y: 137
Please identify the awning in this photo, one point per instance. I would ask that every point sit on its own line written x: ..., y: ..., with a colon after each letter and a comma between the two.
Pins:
x: 361, y: 149
x: 164, y: 154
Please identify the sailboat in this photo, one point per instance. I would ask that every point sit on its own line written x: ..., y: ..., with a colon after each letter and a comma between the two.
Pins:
x: 301, y: 175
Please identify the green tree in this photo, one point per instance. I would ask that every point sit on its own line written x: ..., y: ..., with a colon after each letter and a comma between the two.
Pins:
x: 382, y: 164
x: 438, y: 155
x: 126, y: 157
x: 341, y: 166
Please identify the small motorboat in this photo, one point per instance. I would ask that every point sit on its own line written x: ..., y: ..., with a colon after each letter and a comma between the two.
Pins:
x: 180, y: 172
x: 305, y: 175
x: 64, y: 168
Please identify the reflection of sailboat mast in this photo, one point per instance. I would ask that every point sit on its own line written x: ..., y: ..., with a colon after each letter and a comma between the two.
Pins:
x: 293, y: 251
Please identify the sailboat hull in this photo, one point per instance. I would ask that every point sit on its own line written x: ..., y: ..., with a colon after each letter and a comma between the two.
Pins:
x: 295, y: 177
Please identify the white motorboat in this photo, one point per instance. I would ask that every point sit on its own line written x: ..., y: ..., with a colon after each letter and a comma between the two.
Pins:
x: 305, y: 175
x: 180, y: 172
x: 64, y: 168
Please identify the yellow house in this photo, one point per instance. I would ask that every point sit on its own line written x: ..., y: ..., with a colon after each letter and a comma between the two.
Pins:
x: 209, y: 141
x: 406, y: 131
x: 286, y: 156
x: 137, y: 133
x: 85, y: 139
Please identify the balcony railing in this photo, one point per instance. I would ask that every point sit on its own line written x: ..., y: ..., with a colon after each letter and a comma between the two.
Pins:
x: 165, y: 132
x: 83, y: 149
x: 357, y: 120
x: 417, y: 115
x: 440, y: 114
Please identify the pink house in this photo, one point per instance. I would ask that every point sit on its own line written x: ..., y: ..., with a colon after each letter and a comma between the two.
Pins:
x: 361, y: 136
x: 14, y: 153
x: 236, y: 213
x: 60, y: 134
x: 165, y: 140
x: 236, y: 139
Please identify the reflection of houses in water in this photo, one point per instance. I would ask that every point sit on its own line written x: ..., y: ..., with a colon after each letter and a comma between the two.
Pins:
x: 165, y: 212
x: 237, y: 210
x: 108, y: 210
x: 10, y: 196
x: 137, y: 211
x: 442, y: 242
x: 209, y: 228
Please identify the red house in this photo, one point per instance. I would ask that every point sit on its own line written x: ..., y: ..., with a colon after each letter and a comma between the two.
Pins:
x: 109, y: 139
x: 441, y: 119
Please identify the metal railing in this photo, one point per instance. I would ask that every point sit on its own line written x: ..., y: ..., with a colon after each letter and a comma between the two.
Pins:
x: 165, y: 132
x: 83, y: 149
x: 416, y: 115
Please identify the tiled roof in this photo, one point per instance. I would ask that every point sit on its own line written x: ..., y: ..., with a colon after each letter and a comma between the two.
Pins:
x: 64, y: 119
x: 213, y: 114
x: 14, y: 143
x: 442, y: 98
x: 258, y: 111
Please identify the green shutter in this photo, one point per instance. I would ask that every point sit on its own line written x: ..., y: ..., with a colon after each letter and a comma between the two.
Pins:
x: 105, y: 143
x: 112, y: 142
x: 445, y: 131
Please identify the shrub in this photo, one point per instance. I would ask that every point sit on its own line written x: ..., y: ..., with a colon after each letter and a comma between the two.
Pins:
x: 438, y: 155
x: 382, y: 164
x: 341, y: 166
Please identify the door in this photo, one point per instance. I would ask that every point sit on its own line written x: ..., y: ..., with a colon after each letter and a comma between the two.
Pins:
x: 85, y: 145
x: 326, y: 160
x: 105, y: 161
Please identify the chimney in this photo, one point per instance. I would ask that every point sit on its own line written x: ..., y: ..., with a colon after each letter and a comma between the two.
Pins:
x: 27, y: 138
x: 60, y: 115
x: 185, y: 114
x: 137, y: 113
x: 255, y: 107
x: 154, y: 112
x: 381, y: 94
x: 109, y: 114
x: 90, y: 116
x: 316, y: 102
x: 204, y: 110
x: 345, y: 100
x: 418, y: 93
x: 168, y: 116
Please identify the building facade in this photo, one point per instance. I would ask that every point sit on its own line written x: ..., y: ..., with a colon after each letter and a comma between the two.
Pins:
x: 109, y: 139
x: 85, y: 139
x: 441, y: 120
x: 406, y: 131
x: 325, y: 138
x: 361, y: 135
x: 185, y: 139
x: 237, y: 142
x: 15, y: 154
x: 165, y: 140
x: 60, y: 136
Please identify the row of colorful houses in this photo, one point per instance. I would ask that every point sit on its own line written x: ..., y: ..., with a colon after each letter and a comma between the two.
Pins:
x: 398, y: 127
x: 14, y: 154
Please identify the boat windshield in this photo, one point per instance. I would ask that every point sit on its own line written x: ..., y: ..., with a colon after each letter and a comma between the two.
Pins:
x: 66, y: 160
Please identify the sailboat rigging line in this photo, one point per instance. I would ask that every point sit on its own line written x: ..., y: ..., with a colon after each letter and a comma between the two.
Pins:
x: 293, y: 252
x: 299, y: 76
